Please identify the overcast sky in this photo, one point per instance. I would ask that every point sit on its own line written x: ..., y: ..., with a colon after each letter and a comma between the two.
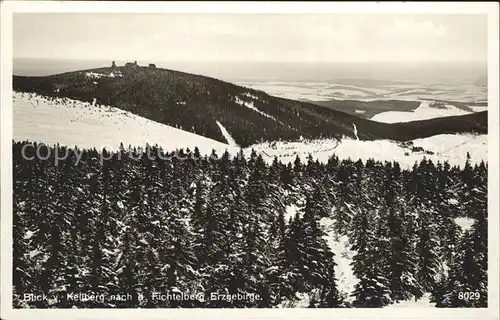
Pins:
x: 251, y: 37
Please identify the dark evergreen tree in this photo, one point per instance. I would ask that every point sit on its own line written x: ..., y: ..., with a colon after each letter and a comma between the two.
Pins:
x: 133, y: 224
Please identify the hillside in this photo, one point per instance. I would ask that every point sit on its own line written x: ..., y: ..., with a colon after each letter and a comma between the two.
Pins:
x: 198, y: 104
x: 97, y: 127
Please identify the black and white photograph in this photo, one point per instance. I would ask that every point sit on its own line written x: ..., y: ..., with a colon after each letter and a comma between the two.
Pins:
x: 251, y: 160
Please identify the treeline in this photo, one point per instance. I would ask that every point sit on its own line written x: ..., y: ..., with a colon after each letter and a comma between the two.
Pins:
x: 135, y: 225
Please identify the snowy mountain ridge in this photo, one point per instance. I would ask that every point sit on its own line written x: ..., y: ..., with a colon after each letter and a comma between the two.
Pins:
x: 195, y: 103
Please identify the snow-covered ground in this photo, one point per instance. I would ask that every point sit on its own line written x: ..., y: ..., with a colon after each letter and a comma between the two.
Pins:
x: 478, y: 108
x: 456, y: 146
x: 423, y: 112
x: 450, y: 147
x: 71, y: 122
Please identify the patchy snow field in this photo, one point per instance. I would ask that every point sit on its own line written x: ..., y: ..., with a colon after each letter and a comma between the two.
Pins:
x: 71, y: 122
x: 323, y: 91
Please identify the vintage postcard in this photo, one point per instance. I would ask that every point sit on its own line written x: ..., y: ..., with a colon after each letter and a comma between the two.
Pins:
x: 249, y: 160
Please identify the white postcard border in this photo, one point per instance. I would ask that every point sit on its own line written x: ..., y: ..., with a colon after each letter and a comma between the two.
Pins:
x: 8, y: 8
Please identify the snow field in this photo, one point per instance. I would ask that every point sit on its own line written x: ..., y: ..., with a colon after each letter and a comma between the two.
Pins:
x: 423, y: 302
x: 423, y: 112
x: 71, y: 122
x: 450, y: 147
x: 323, y: 91
x: 478, y: 108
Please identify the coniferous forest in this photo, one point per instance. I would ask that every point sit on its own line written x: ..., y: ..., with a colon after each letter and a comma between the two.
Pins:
x: 133, y: 227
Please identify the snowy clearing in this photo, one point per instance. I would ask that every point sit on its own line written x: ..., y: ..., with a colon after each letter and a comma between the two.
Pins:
x: 456, y: 146
x: 451, y: 147
x: 94, y: 75
x: 71, y: 122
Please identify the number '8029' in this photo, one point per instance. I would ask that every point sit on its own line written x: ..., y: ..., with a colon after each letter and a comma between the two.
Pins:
x: 468, y: 295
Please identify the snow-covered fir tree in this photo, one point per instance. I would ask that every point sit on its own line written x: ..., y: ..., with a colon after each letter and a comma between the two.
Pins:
x: 186, y: 223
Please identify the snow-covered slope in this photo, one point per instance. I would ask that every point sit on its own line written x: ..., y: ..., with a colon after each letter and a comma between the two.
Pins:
x: 423, y: 112
x: 71, y: 122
